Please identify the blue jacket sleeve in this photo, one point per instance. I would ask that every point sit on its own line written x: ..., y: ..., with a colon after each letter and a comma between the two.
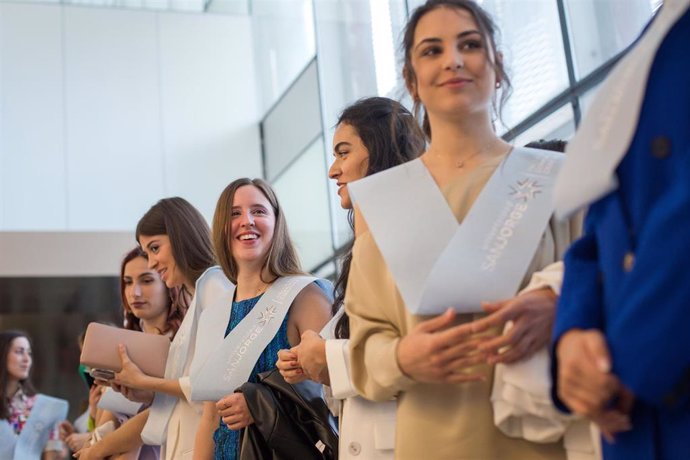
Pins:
x: 649, y: 334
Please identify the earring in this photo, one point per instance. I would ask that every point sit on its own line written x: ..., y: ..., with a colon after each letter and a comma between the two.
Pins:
x: 498, y: 84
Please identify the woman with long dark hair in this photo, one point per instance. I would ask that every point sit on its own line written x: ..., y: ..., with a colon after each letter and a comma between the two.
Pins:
x: 176, y: 240
x: 18, y: 393
x: 371, y: 135
x: 148, y: 306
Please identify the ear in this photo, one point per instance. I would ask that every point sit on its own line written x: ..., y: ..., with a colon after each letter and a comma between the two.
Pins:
x: 410, y: 84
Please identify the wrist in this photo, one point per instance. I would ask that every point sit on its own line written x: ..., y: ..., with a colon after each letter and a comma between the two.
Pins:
x: 399, y: 357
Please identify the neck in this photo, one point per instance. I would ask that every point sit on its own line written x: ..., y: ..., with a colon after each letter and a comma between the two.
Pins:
x: 189, y: 287
x: 252, y: 280
x: 155, y: 325
x: 12, y: 387
x: 457, y: 139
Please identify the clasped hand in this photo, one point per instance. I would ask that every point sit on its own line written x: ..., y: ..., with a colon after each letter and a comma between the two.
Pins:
x: 305, y: 361
x: 234, y: 411
x: 587, y: 385
x: 531, y: 314
x: 436, y: 351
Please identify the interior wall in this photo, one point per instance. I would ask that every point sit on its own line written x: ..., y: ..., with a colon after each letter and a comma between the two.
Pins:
x: 105, y: 111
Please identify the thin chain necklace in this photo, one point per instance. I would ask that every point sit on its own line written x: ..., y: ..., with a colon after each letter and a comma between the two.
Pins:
x: 461, y: 162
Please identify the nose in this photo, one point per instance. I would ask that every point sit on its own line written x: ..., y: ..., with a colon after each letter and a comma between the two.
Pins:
x: 136, y: 290
x: 247, y: 219
x: 334, y: 170
x: 454, y: 59
x: 151, y: 262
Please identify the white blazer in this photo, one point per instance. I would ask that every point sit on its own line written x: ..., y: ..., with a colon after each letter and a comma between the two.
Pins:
x: 211, y: 287
x: 367, y: 428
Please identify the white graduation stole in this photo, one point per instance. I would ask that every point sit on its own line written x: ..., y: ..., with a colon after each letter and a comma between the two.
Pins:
x: 222, y: 365
x: 155, y: 430
x: 606, y: 132
x: 437, y: 263
x: 45, y: 414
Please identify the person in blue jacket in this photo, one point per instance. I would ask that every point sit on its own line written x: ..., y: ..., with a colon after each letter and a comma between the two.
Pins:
x: 622, y: 331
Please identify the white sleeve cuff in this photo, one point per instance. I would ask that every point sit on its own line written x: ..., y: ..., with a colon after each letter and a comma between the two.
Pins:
x: 186, y: 387
x: 338, y: 360
x: 550, y: 276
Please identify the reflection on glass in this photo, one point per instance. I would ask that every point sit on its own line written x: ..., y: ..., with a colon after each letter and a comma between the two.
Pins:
x: 600, y: 29
x: 303, y: 194
x: 532, y: 45
x: 284, y: 43
x: 384, y: 49
x: 356, y: 43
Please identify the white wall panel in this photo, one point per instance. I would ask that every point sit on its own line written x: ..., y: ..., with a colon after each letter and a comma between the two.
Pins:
x: 115, y: 160
x: 210, y: 116
x: 32, y: 163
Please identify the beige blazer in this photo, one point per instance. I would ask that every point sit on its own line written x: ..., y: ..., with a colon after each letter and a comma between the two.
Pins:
x: 453, y: 422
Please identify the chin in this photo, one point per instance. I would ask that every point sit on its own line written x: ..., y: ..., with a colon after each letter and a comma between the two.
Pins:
x: 345, y: 202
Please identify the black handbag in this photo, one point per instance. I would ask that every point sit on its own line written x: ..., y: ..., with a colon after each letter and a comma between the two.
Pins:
x: 291, y: 422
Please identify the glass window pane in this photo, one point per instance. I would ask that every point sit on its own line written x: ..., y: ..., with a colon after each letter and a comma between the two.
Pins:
x: 558, y: 125
x: 600, y: 29
x: 303, y: 194
x: 286, y: 136
x: 531, y: 41
x: 356, y: 43
x: 283, y: 44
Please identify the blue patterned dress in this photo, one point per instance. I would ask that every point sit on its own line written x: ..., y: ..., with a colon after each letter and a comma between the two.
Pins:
x: 227, y: 441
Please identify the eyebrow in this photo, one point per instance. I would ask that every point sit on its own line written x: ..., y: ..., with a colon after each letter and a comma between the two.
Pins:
x: 255, y: 205
x: 438, y: 40
x: 340, y: 144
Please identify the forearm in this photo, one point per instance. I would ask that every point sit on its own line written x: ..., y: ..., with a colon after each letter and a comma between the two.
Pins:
x: 124, y: 439
x: 203, y: 442
x: 171, y: 387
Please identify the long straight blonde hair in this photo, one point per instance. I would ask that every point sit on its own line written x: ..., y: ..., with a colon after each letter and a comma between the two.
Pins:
x: 281, y: 259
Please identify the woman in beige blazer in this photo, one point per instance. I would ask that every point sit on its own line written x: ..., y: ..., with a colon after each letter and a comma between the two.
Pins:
x: 440, y: 368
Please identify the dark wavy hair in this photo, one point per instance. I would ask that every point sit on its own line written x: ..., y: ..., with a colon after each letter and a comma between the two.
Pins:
x: 190, y: 236
x: 391, y: 136
x: 489, y: 33
x: 6, y: 339
x: 176, y: 310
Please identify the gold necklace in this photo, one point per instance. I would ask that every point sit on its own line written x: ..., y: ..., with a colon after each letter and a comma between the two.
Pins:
x: 460, y: 163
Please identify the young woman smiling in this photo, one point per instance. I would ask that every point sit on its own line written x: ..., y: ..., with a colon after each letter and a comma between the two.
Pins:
x: 372, y: 135
x: 441, y: 368
x: 176, y: 240
x: 253, y: 246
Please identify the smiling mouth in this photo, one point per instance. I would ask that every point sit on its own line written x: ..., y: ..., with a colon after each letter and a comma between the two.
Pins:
x: 248, y: 237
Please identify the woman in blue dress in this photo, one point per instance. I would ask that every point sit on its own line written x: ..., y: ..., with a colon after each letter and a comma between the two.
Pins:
x: 254, y: 248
